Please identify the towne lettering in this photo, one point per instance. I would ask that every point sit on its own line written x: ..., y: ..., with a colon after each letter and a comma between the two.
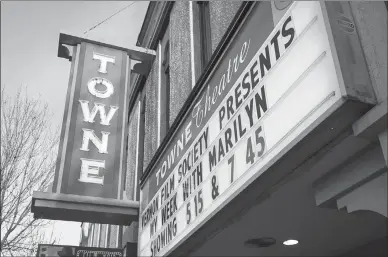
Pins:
x: 90, y: 168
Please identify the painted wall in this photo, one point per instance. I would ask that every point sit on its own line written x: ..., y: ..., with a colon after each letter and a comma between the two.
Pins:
x: 151, y: 114
x: 221, y: 14
x: 180, y: 56
x: 130, y: 233
x: 132, y: 152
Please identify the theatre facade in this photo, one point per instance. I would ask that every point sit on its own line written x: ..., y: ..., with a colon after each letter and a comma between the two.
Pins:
x: 258, y: 128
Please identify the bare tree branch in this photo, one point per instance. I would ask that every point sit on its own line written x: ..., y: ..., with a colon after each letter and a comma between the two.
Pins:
x: 28, y: 155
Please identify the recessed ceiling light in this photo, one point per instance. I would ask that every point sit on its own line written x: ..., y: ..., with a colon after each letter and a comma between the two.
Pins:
x: 290, y: 242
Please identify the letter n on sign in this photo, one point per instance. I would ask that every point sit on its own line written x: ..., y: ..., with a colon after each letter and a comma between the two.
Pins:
x: 92, y: 151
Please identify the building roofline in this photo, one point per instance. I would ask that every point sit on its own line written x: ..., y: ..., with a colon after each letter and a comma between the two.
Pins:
x: 146, y: 22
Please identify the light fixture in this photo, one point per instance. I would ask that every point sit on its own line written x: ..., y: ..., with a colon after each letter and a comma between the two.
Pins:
x: 290, y: 242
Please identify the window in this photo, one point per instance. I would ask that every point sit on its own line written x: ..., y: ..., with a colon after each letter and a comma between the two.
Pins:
x: 107, y: 236
x: 164, y: 85
x: 204, y: 33
x: 166, y: 82
x: 200, y: 38
x: 91, y: 238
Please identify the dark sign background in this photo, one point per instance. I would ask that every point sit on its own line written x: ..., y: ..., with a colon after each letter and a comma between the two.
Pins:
x: 67, y: 181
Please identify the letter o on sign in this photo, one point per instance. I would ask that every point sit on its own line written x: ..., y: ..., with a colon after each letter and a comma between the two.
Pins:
x: 100, y: 93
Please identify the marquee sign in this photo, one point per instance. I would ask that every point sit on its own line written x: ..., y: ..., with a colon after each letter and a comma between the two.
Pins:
x: 46, y: 250
x: 271, y: 85
x: 90, y: 159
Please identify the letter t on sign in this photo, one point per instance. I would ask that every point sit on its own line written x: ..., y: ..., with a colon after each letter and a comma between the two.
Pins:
x: 104, y: 59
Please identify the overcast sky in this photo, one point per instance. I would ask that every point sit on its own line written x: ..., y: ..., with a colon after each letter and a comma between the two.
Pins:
x: 29, y: 43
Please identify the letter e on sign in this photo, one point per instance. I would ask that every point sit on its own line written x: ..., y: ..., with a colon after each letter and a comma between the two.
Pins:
x: 90, y: 171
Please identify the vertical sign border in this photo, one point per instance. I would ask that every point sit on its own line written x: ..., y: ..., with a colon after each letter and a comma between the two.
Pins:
x: 74, y: 75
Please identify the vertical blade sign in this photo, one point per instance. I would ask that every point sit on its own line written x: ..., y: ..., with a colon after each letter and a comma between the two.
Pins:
x: 90, y: 157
